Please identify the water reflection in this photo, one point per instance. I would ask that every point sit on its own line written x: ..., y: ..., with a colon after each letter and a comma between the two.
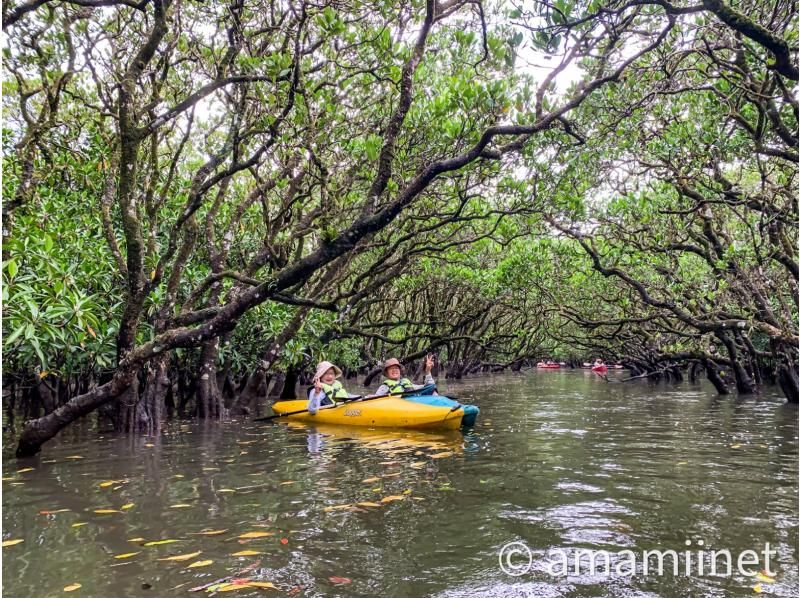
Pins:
x: 557, y: 459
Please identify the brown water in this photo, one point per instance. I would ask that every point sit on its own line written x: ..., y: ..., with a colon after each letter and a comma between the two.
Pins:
x: 558, y: 460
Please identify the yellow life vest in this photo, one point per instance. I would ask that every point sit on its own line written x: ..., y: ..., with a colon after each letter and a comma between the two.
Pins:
x: 398, y: 386
x: 334, y: 391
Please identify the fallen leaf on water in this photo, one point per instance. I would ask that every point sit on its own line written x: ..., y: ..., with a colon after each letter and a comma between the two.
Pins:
x: 127, y: 506
x: 757, y: 588
x: 369, y: 504
x: 392, y: 498
x: 261, y: 584
x: 106, y: 511
x: 54, y: 512
x: 199, y: 564
x: 211, y: 532
x: 339, y: 580
x: 222, y: 490
x: 135, y: 539
x: 27, y: 469
x: 109, y: 483
x: 180, y: 506
x: 287, y: 483
x: 79, y: 524
x: 246, y: 553
x: 441, y: 455
x: 181, y: 557
x: 284, y: 541
x: 11, y: 542
x: 336, y: 507
x: 72, y: 587
x: 761, y: 576
x: 127, y: 555
x: 256, y: 535
x: 158, y: 542
x: 370, y: 480
x: 407, y: 491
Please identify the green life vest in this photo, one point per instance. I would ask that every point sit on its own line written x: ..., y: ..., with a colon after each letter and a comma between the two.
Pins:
x: 398, y: 386
x: 334, y: 391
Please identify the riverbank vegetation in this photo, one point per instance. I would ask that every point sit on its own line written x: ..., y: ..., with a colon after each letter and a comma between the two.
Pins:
x: 201, y: 200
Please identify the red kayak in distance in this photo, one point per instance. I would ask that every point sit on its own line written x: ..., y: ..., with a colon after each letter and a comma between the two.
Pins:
x: 548, y: 366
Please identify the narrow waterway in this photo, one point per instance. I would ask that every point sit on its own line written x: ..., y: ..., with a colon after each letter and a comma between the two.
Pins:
x: 559, y: 460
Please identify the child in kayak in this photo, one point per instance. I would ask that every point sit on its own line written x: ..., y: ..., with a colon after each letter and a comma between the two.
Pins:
x: 326, y: 387
x: 394, y: 383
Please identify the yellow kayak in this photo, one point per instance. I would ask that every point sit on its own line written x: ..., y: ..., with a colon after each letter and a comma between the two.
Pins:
x: 390, y: 412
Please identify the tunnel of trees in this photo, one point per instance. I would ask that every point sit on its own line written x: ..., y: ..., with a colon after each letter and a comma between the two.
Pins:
x: 202, y: 199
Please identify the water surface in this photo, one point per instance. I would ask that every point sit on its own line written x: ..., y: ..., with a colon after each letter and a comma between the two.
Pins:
x: 559, y: 459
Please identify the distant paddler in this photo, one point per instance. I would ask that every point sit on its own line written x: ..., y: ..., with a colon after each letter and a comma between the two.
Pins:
x: 395, y: 383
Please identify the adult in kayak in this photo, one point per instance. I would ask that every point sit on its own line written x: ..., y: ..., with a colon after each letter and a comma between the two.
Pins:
x: 327, y: 387
x: 395, y: 383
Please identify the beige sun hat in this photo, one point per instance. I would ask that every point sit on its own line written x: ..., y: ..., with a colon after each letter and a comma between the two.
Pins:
x: 323, y: 367
x: 390, y: 362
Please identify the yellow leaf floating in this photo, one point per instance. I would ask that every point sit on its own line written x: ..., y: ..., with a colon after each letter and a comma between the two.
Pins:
x: 106, y: 511
x: 127, y: 555
x: 109, y: 483
x: 136, y: 540
x: 336, y: 508
x: 757, y: 588
x: 197, y: 564
x: 211, y: 532
x: 368, y: 504
x: 181, y: 557
x: 761, y: 576
x: 441, y: 455
x: 72, y: 587
x: 79, y: 524
x: 261, y: 584
x: 392, y: 498
x: 159, y: 542
x: 127, y: 506
x: 735, y: 446
x: 27, y: 469
x: 408, y: 491
x: 246, y: 553
x: 249, y: 535
x: 11, y: 542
